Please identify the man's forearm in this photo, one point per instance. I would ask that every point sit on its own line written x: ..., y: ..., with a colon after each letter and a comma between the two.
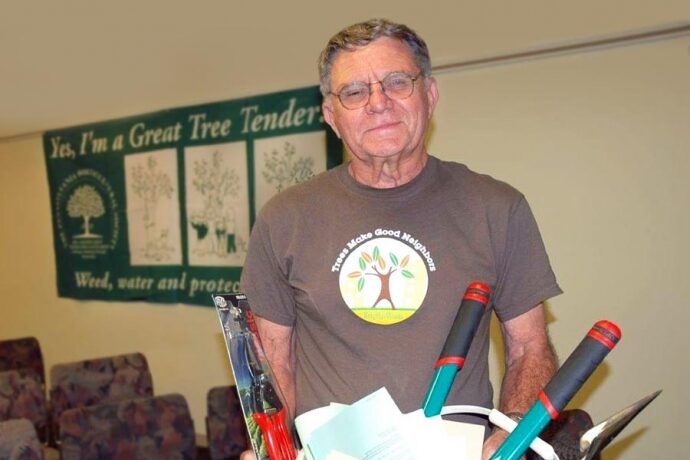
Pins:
x: 285, y: 378
x: 530, y: 360
x: 277, y: 341
x: 525, y: 376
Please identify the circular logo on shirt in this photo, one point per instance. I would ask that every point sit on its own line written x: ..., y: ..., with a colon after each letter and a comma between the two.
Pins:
x: 383, y: 281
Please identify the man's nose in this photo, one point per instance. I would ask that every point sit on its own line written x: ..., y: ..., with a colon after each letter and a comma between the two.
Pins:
x: 378, y: 99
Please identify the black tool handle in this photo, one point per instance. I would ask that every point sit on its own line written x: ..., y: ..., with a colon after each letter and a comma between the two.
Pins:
x: 581, y: 363
x: 465, y: 325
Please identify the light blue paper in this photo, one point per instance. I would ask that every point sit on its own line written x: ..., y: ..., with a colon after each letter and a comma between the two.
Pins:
x: 368, y: 429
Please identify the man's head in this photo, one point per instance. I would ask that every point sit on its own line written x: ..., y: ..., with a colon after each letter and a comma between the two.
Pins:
x: 362, y: 34
x: 378, y: 94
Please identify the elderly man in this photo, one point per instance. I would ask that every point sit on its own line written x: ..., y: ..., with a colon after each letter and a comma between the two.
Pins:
x: 356, y: 275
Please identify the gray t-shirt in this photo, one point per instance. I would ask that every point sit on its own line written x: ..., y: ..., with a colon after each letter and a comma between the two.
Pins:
x: 371, y: 279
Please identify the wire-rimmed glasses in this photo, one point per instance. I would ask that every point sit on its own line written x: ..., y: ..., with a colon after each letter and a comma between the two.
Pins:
x: 395, y: 85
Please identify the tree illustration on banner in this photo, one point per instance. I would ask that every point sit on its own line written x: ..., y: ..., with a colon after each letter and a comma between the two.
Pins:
x: 216, y: 220
x: 152, y: 186
x: 375, y: 265
x: 86, y: 203
x: 285, y: 170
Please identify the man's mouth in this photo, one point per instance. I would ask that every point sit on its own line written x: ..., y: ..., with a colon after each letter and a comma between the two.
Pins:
x: 385, y: 126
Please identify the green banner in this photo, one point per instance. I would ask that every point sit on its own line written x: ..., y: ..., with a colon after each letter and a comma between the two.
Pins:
x: 159, y: 207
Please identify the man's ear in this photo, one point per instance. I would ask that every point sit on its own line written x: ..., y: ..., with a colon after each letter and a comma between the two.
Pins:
x: 431, y: 94
x: 328, y: 115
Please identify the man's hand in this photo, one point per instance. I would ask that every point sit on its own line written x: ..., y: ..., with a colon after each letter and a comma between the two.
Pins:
x: 247, y: 455
x: 492, y: 443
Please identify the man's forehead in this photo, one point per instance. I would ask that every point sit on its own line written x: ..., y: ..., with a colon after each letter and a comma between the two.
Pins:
x: 384, y: 54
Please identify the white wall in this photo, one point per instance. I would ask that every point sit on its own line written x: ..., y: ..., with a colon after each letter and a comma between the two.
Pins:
x: 596, y: 141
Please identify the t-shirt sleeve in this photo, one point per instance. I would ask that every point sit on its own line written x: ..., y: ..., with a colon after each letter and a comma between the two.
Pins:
x: 525, y: 275
x: 264, y: 281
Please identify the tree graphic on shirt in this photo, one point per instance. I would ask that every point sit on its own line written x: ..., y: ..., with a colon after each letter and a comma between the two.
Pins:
x: 376, y: 265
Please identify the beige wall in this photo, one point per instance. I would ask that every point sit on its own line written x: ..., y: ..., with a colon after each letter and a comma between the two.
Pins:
x: 599, y: 145
x: 596, y: 141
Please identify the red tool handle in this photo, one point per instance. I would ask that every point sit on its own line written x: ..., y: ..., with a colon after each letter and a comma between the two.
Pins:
x: 276, y: 435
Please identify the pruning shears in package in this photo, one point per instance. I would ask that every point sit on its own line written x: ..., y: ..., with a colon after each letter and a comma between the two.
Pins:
x: 266, y: 417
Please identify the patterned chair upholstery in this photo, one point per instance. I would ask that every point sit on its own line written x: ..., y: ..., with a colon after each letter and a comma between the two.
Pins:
x: 143, y: 428
x: 18, y: 441
x: 20, y: 354
x: 225, y: 427
x: 94, y: 381
x: 22, y: 396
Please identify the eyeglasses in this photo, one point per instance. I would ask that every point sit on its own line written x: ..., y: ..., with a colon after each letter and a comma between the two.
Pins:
x: 396, y: 85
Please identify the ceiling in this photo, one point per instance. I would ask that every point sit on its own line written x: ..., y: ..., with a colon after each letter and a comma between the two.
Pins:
x: 73, y: 62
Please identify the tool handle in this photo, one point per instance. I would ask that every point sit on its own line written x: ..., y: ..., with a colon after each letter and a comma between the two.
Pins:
x: 598, y: 342
x: 465, y: 325
x: 276, y: 435
x: 455, y: 349
x: 581, y: 363
x: 287, y: 446
x: 541, y: 447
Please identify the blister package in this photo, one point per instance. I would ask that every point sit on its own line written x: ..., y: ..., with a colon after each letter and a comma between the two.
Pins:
x: 266, y: 417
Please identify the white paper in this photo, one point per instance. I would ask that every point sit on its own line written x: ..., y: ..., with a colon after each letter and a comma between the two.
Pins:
x: 373, y: 428
x: 306, y: 423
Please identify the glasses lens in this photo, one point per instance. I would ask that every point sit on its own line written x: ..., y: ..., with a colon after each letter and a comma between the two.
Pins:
x: 354, y: 95
x: 398, y: 85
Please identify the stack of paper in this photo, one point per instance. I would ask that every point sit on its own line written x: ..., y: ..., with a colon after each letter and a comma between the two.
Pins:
x: 373, y: 428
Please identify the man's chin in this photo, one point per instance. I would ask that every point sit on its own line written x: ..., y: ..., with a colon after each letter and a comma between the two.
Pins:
x: 384, y: 149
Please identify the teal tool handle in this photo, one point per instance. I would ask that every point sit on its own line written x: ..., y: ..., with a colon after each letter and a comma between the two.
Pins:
x: 517, y: 443
x: 438, y: 390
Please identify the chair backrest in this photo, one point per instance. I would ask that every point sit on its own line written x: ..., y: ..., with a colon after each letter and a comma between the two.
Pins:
x: 95, y: 381
x: 18, y: 441
x: 155, y: 427
x: 22, y: 396
x: 22, y: 353
x: 226, y: 430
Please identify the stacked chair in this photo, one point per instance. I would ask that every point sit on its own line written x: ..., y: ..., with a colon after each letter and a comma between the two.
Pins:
x: 97, y: 381
x: 22, y: 353
x: 105, y: 408
x: 99, y: 408
x: 225, y: 427
x: 23, y: 407
x: 142, y: 428
x: 22, y: 397
x: 19, y: 441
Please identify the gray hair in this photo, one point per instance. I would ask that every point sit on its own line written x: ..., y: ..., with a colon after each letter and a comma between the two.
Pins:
x: 362, y: 34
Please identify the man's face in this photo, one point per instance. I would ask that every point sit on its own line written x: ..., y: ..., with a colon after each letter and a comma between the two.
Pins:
x: 384, y: 127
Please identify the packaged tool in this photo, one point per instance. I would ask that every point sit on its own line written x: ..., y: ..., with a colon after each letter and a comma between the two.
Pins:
x: 266, y: 418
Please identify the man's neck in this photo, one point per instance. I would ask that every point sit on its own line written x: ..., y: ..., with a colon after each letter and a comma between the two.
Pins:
x: 387, y: 172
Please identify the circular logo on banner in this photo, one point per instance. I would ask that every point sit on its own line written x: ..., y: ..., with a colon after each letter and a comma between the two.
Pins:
x: 87, y: 214
x: 384, y: 281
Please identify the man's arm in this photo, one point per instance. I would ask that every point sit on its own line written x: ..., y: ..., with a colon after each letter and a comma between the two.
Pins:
x: 530, y: 364
x: 277, y: 341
